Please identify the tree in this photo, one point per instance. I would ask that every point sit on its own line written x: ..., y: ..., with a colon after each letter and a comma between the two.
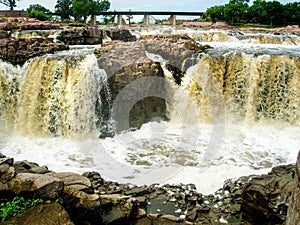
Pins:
x: 82, y: 9
x: 40, y: 12
x: 63, y: 8
x: 235, y: 9
x: 215, y: 12
x: 10, y: 3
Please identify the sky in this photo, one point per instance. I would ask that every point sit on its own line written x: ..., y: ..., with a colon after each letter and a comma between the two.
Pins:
x: 134, y: 5
x: 159, y: 5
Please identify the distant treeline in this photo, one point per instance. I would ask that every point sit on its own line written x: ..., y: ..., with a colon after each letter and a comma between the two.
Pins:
x: 271, y: 13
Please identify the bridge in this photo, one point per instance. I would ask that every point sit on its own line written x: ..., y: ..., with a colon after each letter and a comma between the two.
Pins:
x: 146, y: 14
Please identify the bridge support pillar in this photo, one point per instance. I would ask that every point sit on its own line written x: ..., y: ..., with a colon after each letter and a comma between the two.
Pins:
x: 120, y: 22
x: 173, y: 20
x: 146, y: 20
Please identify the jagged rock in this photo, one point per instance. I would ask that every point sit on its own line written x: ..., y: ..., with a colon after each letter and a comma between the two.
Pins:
x: 5, y: 163
x: 29, y: 167
x: 265, y: 198
x: 18, y: 51
x: 122, y: 35
x: 3, y: 34
x: 17, y: 23
x: 74, y: 180
x: 7, y: 172
x: 36, y: 185
x: 293, y: 215
x: 176, y: 49
x: 137, y: 85
x: 53, y: 214
x: 80, y: 36
x: 80, y: 199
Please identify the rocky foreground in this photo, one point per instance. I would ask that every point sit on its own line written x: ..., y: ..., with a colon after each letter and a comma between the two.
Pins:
x: 88, y: 199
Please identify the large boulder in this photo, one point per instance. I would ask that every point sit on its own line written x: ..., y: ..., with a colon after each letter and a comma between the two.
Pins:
x: 36, y: 185
x: 18, y: 51
x: 293, y: 216
x: 266, y: 197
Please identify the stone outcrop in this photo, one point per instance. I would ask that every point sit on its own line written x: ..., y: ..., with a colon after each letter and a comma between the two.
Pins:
x: 266, y: 197
x: 18, y: 51
x: 180, y: 51
x: 89, y: 35
x: 23, y: 23
x: 136, y: 83
x: 293, y: 216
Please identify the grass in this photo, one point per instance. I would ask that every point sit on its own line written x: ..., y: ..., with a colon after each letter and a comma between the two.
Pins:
x: 250, y: 25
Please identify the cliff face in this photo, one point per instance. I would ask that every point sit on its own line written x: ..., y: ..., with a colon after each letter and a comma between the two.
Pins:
x: 293, y: 216
x: 136, y: 83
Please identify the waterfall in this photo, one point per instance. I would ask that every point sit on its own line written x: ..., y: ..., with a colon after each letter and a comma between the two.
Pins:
x: 9, y: 87
x: 249, y: 87
x: 57, y: 96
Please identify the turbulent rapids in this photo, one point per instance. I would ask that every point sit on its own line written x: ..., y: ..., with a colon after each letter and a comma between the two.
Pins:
x: 236, y: 112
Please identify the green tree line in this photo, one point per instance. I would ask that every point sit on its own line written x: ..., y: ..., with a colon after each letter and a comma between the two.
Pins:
x: 271, y: 13
x: 79, y: 10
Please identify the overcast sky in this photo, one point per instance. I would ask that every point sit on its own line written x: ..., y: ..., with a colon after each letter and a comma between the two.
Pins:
x: 171, y: 5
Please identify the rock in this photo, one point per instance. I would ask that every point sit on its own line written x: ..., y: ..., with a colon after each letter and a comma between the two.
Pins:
x: 3, y: 34
x: 122, y: 35
x: 2, y: 156
x: 80, y: 36
x: 180, y: 51
x: 293, y: 215
x: 23, y: 23
x: 80, y: 199
x: 53, y: 214
x: 29, y: 167
x: 139, y: 90
x: 265, y: 199
x: 74, y: 180
x: 18, y: 51
x: 5, y: 163
x: 36, y: 185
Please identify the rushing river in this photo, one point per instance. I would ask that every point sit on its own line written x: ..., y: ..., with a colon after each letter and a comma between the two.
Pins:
x: 236, y: 113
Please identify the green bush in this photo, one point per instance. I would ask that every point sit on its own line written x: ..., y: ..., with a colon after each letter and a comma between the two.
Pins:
x: 20, y: 205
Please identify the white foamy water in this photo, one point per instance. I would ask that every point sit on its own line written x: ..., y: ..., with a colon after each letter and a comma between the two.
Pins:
x: 157, y: 154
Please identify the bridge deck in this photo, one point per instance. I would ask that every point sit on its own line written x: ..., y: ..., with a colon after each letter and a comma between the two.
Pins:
x: 131, y: 13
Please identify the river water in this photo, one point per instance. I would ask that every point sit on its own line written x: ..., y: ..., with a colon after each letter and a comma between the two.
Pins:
x: 236, y: 113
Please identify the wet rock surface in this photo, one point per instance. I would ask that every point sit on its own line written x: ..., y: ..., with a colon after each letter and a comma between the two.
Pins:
x: 293, y: 215
x: 89, y: 199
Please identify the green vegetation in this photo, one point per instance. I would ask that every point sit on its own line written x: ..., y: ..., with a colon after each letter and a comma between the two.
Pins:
x: 10, y: 3
x: 119, y: 201
x: 40, y: 12
x: 80, y: 10
x: 20, y: 205
x: 271, y: 13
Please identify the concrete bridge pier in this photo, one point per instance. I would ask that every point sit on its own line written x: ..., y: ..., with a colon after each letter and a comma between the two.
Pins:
x: 173, y: 20
x: 120, y: 22
x: 146, y: 20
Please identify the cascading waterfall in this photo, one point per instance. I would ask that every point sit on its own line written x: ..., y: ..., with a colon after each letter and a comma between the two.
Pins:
x: 250, y: 87
x: 58, y: 96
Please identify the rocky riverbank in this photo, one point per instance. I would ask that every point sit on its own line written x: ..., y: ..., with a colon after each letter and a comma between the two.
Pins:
x: 89, y: 199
